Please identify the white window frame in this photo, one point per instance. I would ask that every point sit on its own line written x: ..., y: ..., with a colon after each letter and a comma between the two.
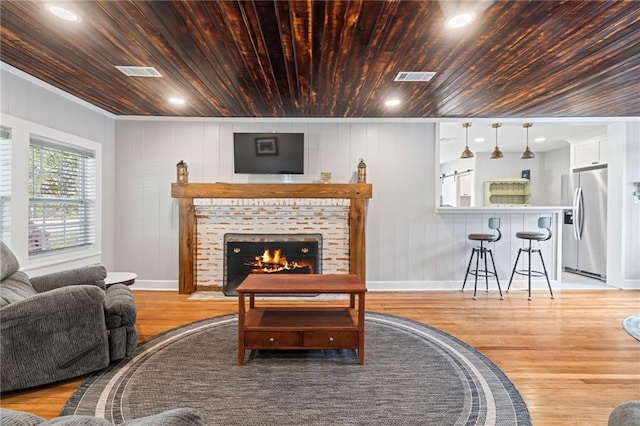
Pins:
x: 56, y: 260
x: 6, y: 168
x: 53, y: 225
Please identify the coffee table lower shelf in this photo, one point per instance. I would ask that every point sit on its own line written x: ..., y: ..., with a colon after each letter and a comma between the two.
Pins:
x: 301, y: 328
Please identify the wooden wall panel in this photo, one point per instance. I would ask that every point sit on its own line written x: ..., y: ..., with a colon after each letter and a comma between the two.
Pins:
x: 403, y: 202
x: 443, y: 242
x: 383, y: 207
x: 41, y: 105
x: 329, y: 142
x: 503, y: 249
x: 343, y: 161
x: 375, y: 253
x: 152, y: 194
x: 631, y: 153
x: 460, y: 245
x: 314, y: 150
x: 125, y: 201
x: 334, y: 58
x: 211, y: 151
x: 417, y: 153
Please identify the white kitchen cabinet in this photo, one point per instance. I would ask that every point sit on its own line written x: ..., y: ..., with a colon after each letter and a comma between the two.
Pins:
x: 588, y: 154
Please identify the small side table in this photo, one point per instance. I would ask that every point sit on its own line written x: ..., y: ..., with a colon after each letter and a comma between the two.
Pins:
x: 127, y: 278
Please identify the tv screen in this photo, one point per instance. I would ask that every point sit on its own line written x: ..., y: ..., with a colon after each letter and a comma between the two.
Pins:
x: 268, y: 153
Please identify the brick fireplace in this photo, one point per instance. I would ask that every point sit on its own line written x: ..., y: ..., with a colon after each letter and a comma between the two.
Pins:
x: 287, y: 218
x: 246, y: 254
x: 208, y: 212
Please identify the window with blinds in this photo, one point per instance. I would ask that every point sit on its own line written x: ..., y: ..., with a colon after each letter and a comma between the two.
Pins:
x: 62, y: 192
x: 5, y: 184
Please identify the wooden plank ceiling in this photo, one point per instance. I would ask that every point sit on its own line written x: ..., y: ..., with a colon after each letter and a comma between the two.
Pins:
x: 335, y: 58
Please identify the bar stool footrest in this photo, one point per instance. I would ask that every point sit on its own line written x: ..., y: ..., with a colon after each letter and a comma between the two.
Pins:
x: 533, y: 273
x: 482, y: 273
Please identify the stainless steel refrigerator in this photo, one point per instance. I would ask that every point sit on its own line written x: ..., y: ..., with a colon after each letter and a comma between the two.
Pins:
x: 584, y: 232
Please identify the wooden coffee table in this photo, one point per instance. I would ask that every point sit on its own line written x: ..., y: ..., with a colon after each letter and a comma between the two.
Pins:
x: 301, y: 327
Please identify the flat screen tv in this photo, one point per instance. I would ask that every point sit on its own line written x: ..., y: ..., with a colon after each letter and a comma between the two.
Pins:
x: 268, y: 153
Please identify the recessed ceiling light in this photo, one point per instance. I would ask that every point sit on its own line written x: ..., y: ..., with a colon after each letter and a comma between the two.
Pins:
x: 478, y: 140
x: 177, y: 101
x: 460, y: 20
x: 540, y: 139
x: 63, y: 13
x: 392, y: 102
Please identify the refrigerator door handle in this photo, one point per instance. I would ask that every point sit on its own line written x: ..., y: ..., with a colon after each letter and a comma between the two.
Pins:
x: 576, y: 213
x: 580, y: 222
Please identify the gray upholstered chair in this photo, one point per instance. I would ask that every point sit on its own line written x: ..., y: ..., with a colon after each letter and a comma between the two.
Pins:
x: 61, y: 325
x: 175, y: 417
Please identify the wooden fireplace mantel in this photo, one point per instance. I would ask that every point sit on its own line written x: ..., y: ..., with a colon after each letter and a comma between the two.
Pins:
x: 357, y: 193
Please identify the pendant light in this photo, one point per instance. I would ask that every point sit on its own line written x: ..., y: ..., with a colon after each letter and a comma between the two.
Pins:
x: 467, y: 152
x: 496, y: 153
x: 527, y: 153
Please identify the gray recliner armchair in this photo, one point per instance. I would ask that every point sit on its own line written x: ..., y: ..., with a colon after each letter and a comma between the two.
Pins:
x: 61, y: 325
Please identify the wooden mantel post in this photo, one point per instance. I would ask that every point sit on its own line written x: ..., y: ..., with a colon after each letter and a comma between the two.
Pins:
x: 357, y: 193
x: 357, y: 243
x: 186, y: 246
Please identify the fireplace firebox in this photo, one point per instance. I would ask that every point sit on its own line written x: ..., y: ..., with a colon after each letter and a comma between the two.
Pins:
x: 246, y: 254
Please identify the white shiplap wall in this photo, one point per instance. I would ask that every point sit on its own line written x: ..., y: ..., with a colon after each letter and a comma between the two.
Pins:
x: 30, y: 106
x: 399, y: 155
x: 408, y: 244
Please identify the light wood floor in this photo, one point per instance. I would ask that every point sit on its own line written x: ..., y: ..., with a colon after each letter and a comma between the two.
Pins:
x: 569, y: 357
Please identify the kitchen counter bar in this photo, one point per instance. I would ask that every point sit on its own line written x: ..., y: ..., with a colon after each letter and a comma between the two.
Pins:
x: 461, y: 221
x: 485, y: 209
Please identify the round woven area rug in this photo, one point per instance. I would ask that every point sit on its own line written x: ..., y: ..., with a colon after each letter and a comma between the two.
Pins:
x: 413, y: 375
x: 632, y: 325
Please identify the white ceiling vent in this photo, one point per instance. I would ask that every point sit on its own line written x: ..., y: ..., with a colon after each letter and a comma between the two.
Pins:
x: 139, y: 71
x: 414, y: 76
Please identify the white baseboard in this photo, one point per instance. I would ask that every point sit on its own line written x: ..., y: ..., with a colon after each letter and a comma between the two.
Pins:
x: 172, y: 285
x: 155, y: 285
x: 453, y: 285
x: 631, y: 285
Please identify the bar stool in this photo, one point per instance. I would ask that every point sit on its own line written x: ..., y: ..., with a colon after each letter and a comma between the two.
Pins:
x: 543, y: 223
x: 481, y: 252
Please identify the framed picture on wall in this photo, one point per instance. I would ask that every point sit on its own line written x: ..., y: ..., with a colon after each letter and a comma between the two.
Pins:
x: 266, y: 146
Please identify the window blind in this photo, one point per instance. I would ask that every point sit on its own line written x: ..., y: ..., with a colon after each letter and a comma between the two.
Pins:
x: 5, y: 184
x: 62, y: 192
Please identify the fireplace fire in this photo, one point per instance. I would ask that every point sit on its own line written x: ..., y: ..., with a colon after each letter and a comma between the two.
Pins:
x: 269, y: 263
x: 269, y: 254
